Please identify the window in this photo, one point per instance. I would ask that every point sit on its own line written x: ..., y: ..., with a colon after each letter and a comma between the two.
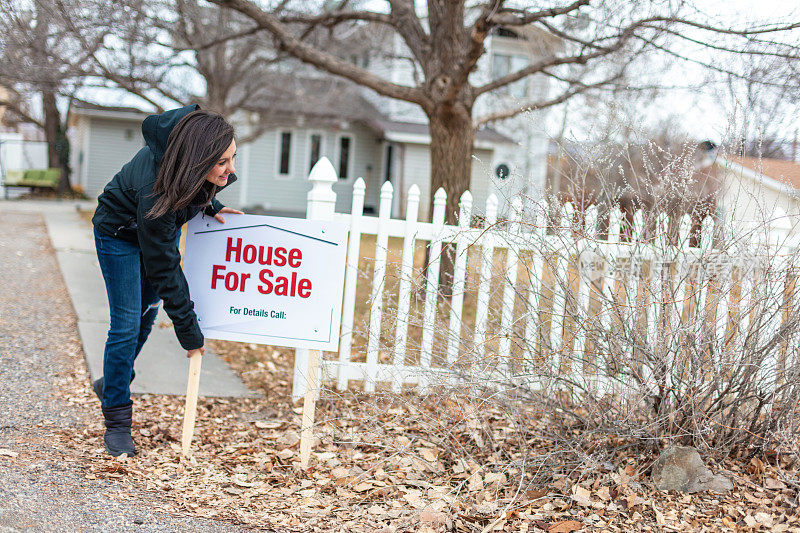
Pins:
x: 503, y: 64
x: 344, y: 157
x: 505, y: 32
x: 314, y: 149
x: 387, y: 167
x: 286, y: 151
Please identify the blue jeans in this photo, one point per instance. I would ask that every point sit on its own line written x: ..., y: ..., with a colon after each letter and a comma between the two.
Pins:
x: 134, y: 304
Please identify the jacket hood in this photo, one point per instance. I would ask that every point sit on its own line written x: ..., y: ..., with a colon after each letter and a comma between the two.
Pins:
x: 156, y: 129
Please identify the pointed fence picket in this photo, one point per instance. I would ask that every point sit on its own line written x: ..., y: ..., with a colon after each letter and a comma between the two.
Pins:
x: 605, y: 352
x: 378, y: 284
x: 564, y: 234
x: 487, y: 260
x: 404, y: 293
x: 453, y: 341
x: 706, y: 236
x: 351, y: 279
x: 535, y: 284
x: 777, y: 273
x: 633, y: 310
x: 591, y: 287
x: 432, y: 278
x: 585, y: 253
x: 509, y: 280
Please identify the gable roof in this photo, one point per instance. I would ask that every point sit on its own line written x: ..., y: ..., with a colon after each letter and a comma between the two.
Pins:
x: 104, y: 111
x: 785, y: 172
x: 334, y: 99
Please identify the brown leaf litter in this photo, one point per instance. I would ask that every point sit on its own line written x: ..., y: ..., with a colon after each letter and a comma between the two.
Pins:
x: 378, y: 467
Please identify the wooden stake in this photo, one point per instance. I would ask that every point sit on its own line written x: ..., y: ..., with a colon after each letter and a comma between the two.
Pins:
x: 309, y: 406
x: 191, y: 402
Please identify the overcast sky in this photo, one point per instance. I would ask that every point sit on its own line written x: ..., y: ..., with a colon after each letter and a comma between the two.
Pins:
x: 702, y: 108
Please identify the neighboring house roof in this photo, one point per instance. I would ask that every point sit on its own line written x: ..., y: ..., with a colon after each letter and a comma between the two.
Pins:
x: 785, y: 172
x: 120, y: 112
x: 776, y: 174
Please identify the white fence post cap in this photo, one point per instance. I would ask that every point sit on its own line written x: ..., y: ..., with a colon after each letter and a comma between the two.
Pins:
x: 321, y: 199
x: 323, y: 171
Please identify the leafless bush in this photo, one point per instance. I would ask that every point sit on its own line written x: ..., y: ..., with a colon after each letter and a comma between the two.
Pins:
x: 606, y: 319
x: 680, y: 323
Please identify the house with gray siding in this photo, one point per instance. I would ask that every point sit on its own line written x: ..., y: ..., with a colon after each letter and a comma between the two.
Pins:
x: 310, y: 115
x: 102, y: 140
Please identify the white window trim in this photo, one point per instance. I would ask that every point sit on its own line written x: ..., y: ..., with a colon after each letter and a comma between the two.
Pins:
x: 351, y: 162
x: 309, y: 133
x: 292, y: 153
x: 507, y: 90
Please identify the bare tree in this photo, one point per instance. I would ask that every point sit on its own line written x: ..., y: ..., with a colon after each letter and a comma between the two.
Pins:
x: 39, y: 57
x: 596, y: 42
x: 763, y: 107
x: 161, y: 52
x: 167, y: 52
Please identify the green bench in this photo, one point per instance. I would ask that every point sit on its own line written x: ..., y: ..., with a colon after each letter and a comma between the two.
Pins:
x: 47, y: 179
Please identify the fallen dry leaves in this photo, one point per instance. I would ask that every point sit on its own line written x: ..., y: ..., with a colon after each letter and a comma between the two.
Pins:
x: 394, y: 463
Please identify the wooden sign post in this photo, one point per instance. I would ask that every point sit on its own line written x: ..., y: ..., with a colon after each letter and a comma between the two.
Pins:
x: 271, y: 280
x: 190, y: 412
x: 309, y: 407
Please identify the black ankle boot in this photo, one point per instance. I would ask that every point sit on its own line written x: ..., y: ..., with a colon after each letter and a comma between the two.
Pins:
x: 118, y: 429
x: 97, y: 387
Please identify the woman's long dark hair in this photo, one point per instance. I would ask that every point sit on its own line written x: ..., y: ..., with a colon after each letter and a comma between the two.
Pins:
x: 195, y: 145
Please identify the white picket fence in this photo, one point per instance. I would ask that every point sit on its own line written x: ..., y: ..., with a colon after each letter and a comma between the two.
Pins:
x: 562, y: 321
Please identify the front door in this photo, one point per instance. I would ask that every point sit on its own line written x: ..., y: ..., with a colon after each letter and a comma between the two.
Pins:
x: 390, y: 174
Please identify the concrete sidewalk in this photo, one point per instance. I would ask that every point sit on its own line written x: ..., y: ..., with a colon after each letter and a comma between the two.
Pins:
x: 161, y: 367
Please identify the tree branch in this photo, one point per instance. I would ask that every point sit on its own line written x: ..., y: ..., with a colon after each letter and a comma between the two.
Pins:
x: 782, y: 55
x: 335, y: 17
x: 710, y: 66
x: 577, y: 88
x: 624, y: 36
x: 327, y: 19
x: 17, y: 110
x: 540, y: 66
x: 506, y: 17
x: 320, y: 59
x: 408, y: 25
x: 478, y: 33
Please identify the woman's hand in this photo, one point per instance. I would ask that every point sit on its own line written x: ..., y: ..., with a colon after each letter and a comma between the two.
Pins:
x: 198, y: 351
x: 221, y: 219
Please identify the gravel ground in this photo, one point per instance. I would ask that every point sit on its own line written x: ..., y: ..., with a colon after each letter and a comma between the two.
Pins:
x: 41, y: 488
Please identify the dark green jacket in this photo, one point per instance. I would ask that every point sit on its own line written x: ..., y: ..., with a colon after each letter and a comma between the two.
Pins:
x: 121, y: 213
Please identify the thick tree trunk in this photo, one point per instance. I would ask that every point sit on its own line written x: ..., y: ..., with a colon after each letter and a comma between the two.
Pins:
x: 52, y: 121
x: 57, y: 142
x: 452, y: 138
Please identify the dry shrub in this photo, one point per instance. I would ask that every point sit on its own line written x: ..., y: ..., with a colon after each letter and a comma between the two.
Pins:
x: 684, y: 329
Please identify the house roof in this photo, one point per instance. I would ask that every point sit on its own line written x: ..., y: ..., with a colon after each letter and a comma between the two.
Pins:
x: 786, y: 172
x: 330, y: 98
x: 327, y: 99
x: 122, y: 112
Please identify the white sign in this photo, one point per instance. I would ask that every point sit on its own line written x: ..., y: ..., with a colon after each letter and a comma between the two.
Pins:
x: 267, y: 280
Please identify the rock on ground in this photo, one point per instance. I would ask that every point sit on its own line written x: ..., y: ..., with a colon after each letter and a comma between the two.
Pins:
x: 681, y: 468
